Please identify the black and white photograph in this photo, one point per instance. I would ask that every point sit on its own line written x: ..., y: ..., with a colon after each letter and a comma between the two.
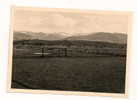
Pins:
x: 69, y: 50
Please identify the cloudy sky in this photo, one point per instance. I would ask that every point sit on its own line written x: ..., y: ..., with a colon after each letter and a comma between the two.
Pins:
x: 68, y: 22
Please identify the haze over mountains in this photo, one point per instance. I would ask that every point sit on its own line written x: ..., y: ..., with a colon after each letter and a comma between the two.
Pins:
x: 98, y: 36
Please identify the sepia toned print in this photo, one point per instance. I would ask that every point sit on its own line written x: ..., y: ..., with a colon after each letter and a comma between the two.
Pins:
x: 68, y: 51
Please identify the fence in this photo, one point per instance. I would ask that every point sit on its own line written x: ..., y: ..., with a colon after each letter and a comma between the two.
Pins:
x: 67, y: 52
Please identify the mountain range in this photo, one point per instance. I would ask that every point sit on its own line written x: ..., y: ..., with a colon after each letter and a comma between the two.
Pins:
x: 98, y: 36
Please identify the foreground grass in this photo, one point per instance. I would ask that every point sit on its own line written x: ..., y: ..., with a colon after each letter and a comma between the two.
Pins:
x: 95, y: 74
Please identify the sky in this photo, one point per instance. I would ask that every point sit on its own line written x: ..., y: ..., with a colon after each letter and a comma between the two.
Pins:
x: 68, y: 22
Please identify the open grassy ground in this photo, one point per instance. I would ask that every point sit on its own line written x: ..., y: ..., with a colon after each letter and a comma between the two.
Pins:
x: 95, y: 74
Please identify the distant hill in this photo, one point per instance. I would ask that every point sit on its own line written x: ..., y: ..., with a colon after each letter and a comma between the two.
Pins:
x: 21, y: 36
x: 39, y: 36
x: 99, y: 36
x: 102, y: 36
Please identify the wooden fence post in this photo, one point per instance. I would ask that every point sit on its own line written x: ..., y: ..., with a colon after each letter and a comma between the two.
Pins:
x: 65, y: 51
x: 42, y: 52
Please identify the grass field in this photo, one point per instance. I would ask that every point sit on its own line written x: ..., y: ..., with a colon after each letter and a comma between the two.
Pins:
x: 95, y: 74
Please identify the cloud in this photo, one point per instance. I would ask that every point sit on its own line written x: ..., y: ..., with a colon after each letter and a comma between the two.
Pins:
x: 69, y: 22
